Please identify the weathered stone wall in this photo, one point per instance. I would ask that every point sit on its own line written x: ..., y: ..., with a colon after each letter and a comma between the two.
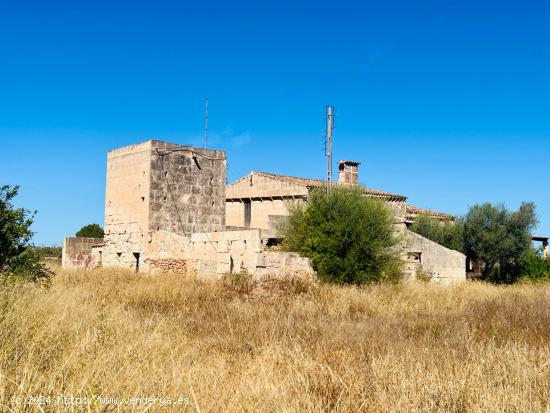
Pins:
x: 278, y: 263
x: 256, y: 185
x: 441, y: 263
x: 348, y: 173
x: 177, y: 266
x: 155, y: 186
x: 260, y: 211
x: 187, y: 189
x: 77, y: 252
x: 213, y: 254
x: 127, y: 204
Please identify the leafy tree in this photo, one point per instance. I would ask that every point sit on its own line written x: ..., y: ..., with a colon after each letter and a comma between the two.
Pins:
x: 91, y: 231
x: 499, y: 238
x: 350, y: 238
x: 448, y: 234
x: 16, y: 255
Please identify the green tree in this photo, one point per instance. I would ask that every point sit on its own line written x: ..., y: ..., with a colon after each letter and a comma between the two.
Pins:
x: 350, y: 238
x: 448, y: 234
x: 91, y: 231
x: 499, y: 238
x: 16, y: 255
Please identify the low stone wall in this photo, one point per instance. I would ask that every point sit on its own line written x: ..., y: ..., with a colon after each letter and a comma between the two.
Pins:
x: 177, y: 266
x: 77, y: 252
x: 217, y: 253
x: 212, y: 254
x: 435, y: 260
x: 278, y: 263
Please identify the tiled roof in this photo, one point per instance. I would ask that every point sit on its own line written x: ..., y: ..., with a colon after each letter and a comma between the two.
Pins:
x: 413, y: 212
x: 314, y: 183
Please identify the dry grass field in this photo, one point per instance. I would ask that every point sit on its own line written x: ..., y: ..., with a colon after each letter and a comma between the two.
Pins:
x: 277, y: 346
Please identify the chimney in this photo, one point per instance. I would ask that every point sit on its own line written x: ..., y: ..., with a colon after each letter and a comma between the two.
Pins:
x: 349, y: 173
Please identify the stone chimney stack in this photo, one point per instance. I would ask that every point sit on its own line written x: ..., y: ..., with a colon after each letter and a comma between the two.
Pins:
x: 348, y: 173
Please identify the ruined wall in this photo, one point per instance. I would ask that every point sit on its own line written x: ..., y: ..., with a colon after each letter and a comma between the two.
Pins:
x: 278, y: 263
x: 77, y: 252
x: 127, y: 204
x: 440, y: 262
x: 187, y: 189
x: 213, y: 254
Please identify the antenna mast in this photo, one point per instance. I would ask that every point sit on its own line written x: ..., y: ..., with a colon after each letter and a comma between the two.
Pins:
x: 206, y: 124
x: 330, y: 127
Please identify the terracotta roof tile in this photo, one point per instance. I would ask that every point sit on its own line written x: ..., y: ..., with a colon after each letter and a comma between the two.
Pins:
x: 314, y: 183
x: 413, y: 212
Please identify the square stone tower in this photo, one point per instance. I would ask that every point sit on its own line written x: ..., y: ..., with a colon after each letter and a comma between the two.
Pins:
x: 158, y: 186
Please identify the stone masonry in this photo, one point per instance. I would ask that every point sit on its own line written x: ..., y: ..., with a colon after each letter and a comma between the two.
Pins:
x: 166, y: 207
x: 154, y: 186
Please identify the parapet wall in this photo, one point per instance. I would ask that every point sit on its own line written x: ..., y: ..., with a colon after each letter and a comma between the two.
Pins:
x: 77, y: 253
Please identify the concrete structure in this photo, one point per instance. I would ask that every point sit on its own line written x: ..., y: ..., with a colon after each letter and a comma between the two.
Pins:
x: 79, y: 252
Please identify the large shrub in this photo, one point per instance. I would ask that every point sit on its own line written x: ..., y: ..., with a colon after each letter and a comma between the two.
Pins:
x: 17, y: 258
x: 536, y: 267
x: 350, y: 238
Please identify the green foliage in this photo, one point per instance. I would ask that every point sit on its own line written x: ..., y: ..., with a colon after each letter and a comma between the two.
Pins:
x: 17, y: 259
x: 448, y: 234
x: 535, y: 267
x: 45, y: 252
x: 499, y: 238
x: 349, y: 237
x: 91, y: 231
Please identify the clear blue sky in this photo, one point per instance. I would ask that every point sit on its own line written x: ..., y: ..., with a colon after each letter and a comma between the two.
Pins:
x: 446, y: 102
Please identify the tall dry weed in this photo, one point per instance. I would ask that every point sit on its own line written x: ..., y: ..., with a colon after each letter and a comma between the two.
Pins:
x: 234, y: 345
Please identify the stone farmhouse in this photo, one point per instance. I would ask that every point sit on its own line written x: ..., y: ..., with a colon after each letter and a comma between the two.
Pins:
x: 167, y: 208
x: 260, y: 199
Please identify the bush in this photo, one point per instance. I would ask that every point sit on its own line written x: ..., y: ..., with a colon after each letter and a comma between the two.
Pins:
x: 91, y: 231
x: 536, y: 267
x: 48, y: 252
x: 17, y: 259
x: 349, y: 237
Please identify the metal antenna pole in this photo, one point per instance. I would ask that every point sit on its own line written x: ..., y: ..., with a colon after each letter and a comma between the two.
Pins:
x: 206, y: 124
x: 329, y: 146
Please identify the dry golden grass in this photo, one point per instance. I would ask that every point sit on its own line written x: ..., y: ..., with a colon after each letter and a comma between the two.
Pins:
x: 281, y: 346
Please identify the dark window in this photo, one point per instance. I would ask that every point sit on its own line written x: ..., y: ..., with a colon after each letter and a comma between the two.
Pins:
x: 247, y: 213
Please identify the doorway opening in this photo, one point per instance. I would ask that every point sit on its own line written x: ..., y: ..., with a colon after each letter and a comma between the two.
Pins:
x: 136, y: 256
